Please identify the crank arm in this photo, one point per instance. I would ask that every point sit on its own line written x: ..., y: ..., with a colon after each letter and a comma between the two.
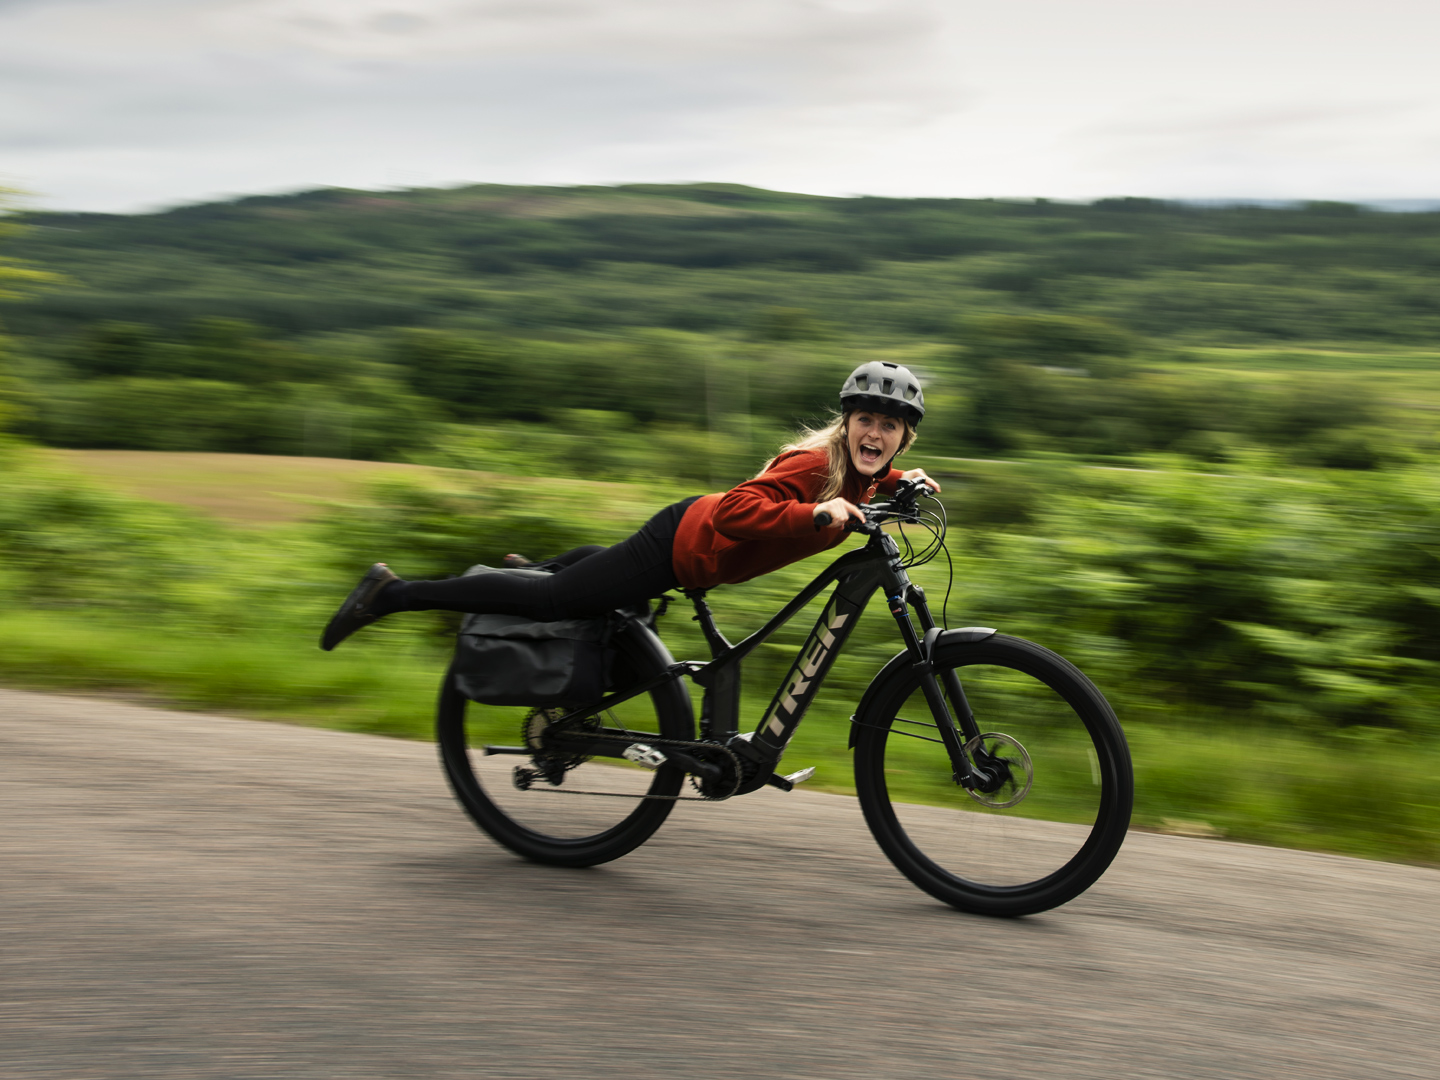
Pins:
x: 614, y: 743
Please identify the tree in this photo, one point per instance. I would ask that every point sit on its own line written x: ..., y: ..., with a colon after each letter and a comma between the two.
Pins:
x: 15, y: 276
x: 15, y: 279
x: 1013, y: 362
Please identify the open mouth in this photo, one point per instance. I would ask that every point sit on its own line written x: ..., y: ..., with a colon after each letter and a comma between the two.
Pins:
x: 869, y: 455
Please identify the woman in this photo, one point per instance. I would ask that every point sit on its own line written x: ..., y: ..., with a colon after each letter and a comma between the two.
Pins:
x: 761, y: 525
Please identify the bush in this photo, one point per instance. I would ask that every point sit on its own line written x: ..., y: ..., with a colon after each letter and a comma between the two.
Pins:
x: 368, y: 417
x: 68, y: 543
x: 432, y: 531
x: 1313, y: 605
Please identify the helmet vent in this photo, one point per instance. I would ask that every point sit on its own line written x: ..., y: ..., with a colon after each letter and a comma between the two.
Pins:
x: 883, y: 388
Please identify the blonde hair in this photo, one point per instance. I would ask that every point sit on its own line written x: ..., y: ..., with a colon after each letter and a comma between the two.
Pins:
x: 831, y: 439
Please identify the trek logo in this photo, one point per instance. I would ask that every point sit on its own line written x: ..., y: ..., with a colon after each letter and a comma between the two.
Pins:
x: 805, y: 670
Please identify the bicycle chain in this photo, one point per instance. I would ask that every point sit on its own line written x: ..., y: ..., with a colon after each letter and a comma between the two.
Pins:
x: 648, y: 740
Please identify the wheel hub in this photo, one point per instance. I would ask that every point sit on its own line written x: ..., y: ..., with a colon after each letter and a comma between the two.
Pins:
x: 1006, y: 765
x: 549, y: 765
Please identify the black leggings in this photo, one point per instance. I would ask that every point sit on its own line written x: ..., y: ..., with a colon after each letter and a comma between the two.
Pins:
x: 588, y: 580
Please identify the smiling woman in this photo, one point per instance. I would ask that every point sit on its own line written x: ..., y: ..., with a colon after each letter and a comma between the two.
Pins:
x: 797, y: 506
x: 874, y: 438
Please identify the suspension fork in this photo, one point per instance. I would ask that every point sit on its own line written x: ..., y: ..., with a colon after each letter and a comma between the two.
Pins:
x: 966, y: 775
x: 969, y: 726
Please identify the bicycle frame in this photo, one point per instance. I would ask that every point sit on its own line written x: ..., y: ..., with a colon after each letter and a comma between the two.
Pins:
x: 857, y: 575
x: 973, y: 862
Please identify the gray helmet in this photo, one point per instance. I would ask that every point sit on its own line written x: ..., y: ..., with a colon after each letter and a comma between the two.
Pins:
x: 884, y: 388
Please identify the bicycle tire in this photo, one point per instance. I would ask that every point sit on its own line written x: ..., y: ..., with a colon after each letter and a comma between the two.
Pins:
x: 1063, y: 832
x: 550, y: 823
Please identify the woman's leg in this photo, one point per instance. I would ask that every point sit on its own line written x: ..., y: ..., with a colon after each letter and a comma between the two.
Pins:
x: 574, y: 555
x: 598, y: 584
x: 592, y: 581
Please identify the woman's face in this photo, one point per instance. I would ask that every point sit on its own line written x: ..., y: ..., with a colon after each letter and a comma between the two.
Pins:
x: 874, y: 439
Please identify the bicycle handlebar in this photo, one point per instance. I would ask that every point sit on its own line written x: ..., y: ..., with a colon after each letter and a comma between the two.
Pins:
x: 906, y: 492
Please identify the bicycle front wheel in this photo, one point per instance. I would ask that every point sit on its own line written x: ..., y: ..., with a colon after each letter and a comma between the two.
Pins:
x: 566, y: 811
x: 1044, y: 835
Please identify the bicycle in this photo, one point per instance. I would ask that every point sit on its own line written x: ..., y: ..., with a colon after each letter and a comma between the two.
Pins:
x: 1025, y: 756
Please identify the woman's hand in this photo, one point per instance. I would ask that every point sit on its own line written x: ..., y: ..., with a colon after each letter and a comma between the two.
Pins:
x: 919, y: 474
x: 840, y: 511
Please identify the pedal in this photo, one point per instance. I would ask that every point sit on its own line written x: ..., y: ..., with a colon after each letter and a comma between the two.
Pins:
x: 789, y: 783
x: 644, y: 754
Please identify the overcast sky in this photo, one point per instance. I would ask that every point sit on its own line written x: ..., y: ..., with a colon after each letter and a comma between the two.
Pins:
x: 131, y: 104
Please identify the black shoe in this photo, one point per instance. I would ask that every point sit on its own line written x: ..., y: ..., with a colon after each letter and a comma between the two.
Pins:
x: 354, y: 613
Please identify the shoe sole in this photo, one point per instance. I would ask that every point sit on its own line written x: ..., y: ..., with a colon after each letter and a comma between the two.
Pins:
x: 351, y: 616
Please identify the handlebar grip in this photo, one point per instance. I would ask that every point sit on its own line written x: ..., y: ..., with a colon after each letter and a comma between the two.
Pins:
x: 823, y: 519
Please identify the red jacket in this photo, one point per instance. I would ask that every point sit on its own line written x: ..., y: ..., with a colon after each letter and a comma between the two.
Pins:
x: 765, y: 523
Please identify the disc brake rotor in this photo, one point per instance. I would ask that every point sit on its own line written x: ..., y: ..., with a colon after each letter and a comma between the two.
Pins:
x: 993, y: 751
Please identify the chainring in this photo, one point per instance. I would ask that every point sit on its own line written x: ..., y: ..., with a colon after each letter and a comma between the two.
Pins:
x: 732, y: 772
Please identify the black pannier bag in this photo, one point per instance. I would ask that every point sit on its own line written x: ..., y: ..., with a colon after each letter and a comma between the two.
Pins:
x: 512, y: 660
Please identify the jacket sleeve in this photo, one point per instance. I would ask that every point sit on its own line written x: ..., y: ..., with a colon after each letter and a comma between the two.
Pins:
x: 779, y: 502
x: 887, y: 485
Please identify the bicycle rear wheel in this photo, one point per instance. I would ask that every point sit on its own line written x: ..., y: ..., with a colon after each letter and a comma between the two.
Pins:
x: 576, y: 811
x: 1047, y: 834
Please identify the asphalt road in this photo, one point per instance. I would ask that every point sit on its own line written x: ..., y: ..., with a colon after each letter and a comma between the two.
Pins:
x: 195, y: 896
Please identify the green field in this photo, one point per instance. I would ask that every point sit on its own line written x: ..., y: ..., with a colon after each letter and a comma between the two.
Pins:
x: 242, y: 489
x: 233, y: 629
x: 1193, y: 449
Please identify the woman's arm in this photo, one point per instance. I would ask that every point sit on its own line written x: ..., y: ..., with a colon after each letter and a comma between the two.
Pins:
x: 840, y: 511
x: 780, y: 502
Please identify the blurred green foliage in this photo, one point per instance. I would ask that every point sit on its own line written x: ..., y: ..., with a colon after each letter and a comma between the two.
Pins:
x: 1269, y: 641
x: 1310, y: 603
x: 16, y: 279
x: 1191, y: 448
x: 708, y: 257
x: 358, y: 324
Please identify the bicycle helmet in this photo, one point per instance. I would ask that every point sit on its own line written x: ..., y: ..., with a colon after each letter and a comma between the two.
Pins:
x: 885, y: 388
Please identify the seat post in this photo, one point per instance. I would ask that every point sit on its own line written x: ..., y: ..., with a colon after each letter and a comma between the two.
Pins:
x: 703, y: 615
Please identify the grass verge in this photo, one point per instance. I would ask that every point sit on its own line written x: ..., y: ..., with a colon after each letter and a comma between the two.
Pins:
x: 1378, y: 800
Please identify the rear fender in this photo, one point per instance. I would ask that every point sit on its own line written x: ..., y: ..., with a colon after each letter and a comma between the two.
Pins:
x: 650, y: 657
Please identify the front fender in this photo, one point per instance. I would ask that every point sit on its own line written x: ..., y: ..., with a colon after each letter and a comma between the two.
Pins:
x: 878, y: 690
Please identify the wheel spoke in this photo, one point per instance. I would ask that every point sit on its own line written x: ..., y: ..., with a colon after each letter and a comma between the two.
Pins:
x: 1053, y: 817
x: 555, y: 804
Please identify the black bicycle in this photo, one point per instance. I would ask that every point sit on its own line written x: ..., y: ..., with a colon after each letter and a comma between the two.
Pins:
x: 991, y: 771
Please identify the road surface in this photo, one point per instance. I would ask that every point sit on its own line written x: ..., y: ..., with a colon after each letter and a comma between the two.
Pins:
x: 195, y: 896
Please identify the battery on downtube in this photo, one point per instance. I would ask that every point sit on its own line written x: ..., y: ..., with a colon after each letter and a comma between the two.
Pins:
x: 806, y: 674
